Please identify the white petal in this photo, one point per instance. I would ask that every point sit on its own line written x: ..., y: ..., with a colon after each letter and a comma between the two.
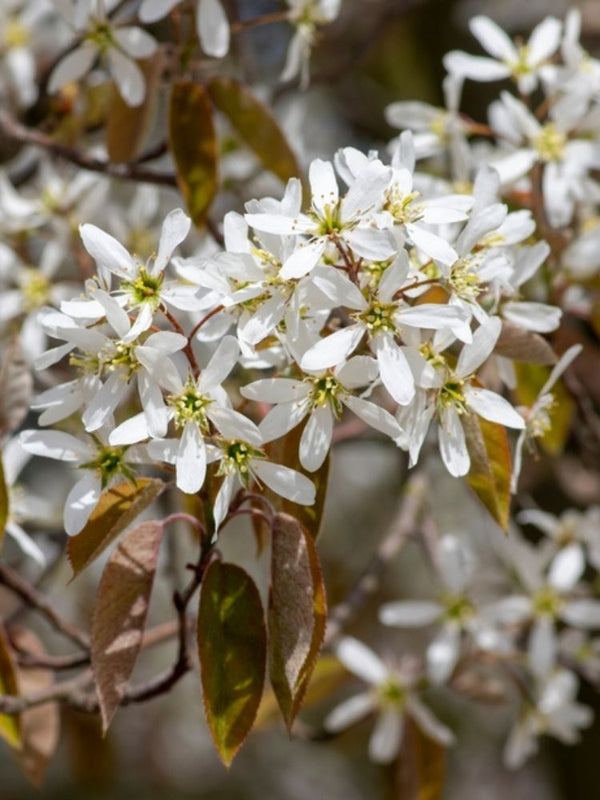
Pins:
x: 371, y: 243
x: 191, y: 460
x: 53, y: 444
x: 456, y: 562
x: 153, y: 10
x: 453, y: 448
x: 492, y: 406
x: 303, y: 259
x: 432, y: 245
x: 473, y: 355
x: 128, y: 77
x: 234, y: 425
x: 394, y: 369
x: 428, y: 723
x: 133, y: 430
x: 409, y: 613
x: 107, y: 251
x: 567, y: 567
x: 223, y: 500
x: 323, y: 186
x: 533, y: 316
x: 333, y: 349
x: 135, y: 41
x: 361, y: 660
x: 316, y: 439
x: 73, y: 66
x: 286, y: 482
x: 350, y: 711
x: 220, y: 365
x: 281, y: 419
x: 386, y: 738
x: 442, y: 654
x: 373, y: 415
x: 544, y: 41
x: 478, y: 68
x: 153, y: 404
x: 260, y: 324
x: 80, y: 502
x: 492, y: 38
x: 275, y: 390
x: 104, y: 403
x: 542, y: 646
x: 582, y: 613
x: 174, y: 230
x: 26, y: 543
x: 212, y: 28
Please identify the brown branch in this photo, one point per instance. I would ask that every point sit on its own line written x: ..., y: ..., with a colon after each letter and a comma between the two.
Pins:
x: 128, y: 171
x: 401, y: 528
x: 38, y: 602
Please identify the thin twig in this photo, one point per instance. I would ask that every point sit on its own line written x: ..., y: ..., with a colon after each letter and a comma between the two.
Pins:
x: 401, y: 528
x: 38, y: 602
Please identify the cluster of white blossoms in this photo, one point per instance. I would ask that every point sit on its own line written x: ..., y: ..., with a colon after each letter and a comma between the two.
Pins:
x: 375, y: 294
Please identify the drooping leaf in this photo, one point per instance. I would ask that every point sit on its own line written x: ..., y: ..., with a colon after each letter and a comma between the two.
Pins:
x: 255, y: 125
x: 285, y: 451
x: 116, y: 509
x: 10, y: 724
x: 193, y: 144
x: 15, y: 387
x: 491, y: 466
x: 120, y: 613
x: 297, y: 613
x: 328, y: 675
x: 127, y: 126
x: 4, y: 502
x: 232, y: 645
x: 519, y: 344
x: 530, y: 379
x: 421, y: 766
x: 40, y: 724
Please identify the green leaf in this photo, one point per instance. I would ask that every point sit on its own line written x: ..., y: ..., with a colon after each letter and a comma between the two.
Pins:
x: 16, y: 384
x: 232, y: 645
x: 519, y: 344
x: 255, y: 125
x: 116, y: 509
x: 285, y: 451
x: 40, y: 724
x: 120, y: 613
x: 10, y: 724
x: 297, y: 613
x: 127, y: 126
x: 4, y: 502
x: 491, y: 467
x: 193, y: 144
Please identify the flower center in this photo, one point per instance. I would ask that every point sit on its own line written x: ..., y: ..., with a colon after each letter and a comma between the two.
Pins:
x: 391, y: 694
x: 451, y: 394
x: 15, y: 34
x: 402, y: 207
x: 109, y: 462
x: 145, y: 288
x: 326, y: 391
x: 550, y: 143
x: 236, y: 459
x: 190, y: 406
x: 464, y: 279
x: 520, y: 66
x: 120, y: 355
x: 547, y: 602
x: 457, y: 608
x: 379, y: 317
x: 35, y: 287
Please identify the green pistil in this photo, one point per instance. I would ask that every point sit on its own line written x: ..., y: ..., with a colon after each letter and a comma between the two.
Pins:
x: 101, y: 36
x: 452, y: 394
x: 190, y: 406
x: 329, y: 222
x: 547, y: 602
x: 110, y: 462
x: 326, y: 391
x: 236, y: 459
x: 145, y: 288
x: 457, y: 608
x: 391, y: 694
x: 379, y: 317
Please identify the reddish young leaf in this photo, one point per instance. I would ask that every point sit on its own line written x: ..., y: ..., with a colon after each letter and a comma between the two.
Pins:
x: 117, y: 508
x: 255, y: 125
x: 491, y: 466
x: 40, y: 724
x: 421, y: 766
x: 10, y: 724
x: 297, y: 613
x: 232, y: 644
x: 193, y: 144
x: 120, y: 613
x: 522, y: 345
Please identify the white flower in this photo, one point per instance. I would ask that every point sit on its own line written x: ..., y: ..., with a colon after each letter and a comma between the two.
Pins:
x: 537, y: 418
x: 555, y: 713
x: 392, y: 695
x: 101, y: 464
x: 343, y: 221
x: 307, y: 16
x: 321, y: 397
x: 120, y: 46
x: 523, y: 63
